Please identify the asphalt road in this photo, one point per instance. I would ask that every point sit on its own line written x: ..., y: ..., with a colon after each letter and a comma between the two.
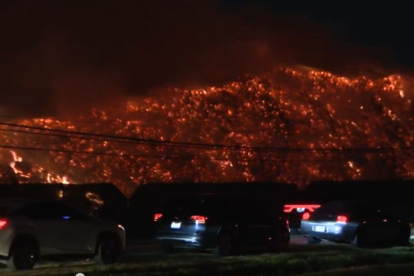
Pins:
x: 143, y: 251
x: 149, y: 246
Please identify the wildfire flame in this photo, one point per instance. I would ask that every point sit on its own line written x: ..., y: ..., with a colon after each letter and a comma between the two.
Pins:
x: 16, y: 158
x: 287, y: 109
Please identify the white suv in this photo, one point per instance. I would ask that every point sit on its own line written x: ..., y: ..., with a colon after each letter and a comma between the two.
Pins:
x: 30, y: 230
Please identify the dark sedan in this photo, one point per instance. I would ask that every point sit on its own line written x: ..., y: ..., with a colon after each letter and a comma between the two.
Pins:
x: 357, y: 222
x: 223, y: 225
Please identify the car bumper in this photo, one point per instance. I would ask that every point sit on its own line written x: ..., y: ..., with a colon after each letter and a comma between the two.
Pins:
x: 332, y: 232
x: 182, y: 241
x: 6, y: 237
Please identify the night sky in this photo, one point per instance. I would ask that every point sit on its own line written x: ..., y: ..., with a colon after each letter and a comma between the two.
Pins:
x: 389, y: 25
x: 66, y: 55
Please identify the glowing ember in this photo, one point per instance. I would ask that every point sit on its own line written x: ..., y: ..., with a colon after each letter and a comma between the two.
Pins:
x: 13, y: 163
x: 284, y: 109
x: 95, y: 199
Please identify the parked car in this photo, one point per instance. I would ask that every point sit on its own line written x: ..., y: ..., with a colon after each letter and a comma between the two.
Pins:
x: 30, y: 230
x: 357, y: 222
x: 221, y: 224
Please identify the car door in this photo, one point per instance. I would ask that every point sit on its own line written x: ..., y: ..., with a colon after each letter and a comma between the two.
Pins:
x: 255, y: 224
x: 82, y: 228
x: 49, y: 227
x: 261, y: 226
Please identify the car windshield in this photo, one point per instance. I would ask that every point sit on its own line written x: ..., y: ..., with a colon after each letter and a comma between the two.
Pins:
x: 184, y: 205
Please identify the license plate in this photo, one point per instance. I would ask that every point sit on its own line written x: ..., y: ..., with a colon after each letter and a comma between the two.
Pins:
x: 176, y: 225
x: 320, y: 228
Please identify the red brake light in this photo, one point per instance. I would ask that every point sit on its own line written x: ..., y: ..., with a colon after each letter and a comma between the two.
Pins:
x: 3, y: 223
x: 305, y: 216
x: 199, y: 219
x: 157, y: 217
x: 341, y: 219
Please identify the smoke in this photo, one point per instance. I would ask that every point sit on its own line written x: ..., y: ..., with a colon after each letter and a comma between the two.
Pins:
x: 65, y: 56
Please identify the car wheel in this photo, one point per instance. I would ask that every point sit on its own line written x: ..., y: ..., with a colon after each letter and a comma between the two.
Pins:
x: 22, y: 256
x: 107, y: 251
x: 224, y: 246
x: 359, y: 240
x: 313, y: 240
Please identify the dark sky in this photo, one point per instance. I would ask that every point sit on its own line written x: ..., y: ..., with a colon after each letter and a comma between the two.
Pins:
x: 59, y: 56
x: 387, y: 24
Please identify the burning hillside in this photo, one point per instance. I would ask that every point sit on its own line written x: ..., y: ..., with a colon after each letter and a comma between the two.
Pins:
x: 283, y: 126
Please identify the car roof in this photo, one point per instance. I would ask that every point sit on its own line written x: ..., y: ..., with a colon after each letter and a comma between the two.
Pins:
x: 359, y: 203
x: 23, y: 201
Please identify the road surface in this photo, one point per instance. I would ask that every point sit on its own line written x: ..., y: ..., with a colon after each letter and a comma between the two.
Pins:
x: 143, y: 251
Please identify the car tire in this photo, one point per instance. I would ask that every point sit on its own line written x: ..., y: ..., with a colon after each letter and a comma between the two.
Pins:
x: 359, y: 240
x: 107, y: 251
x: 224, y: 247
x: 313, y: 240
x: 23, y: 255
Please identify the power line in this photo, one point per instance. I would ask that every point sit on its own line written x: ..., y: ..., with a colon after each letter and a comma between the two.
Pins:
x: 104, y: 139
x: 135, y: 139
x: 65, y: 136
x: 83, y: 122
x: 169, y: 157
x: 204, y: 145
x: 94, y: 152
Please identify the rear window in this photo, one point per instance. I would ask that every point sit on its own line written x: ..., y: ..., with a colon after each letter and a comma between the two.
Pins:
x: 197, y: 205
x: 334, y: 207
x: 351, y: 207
x: 182, y: 204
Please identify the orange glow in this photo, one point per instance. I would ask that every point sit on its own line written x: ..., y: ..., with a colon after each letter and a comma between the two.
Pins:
x: 310, y: 207
x: 95, y: 199
x: 285, y: 109
x: 17, y: 159
x: 65, y: 180
x: 305, y: 216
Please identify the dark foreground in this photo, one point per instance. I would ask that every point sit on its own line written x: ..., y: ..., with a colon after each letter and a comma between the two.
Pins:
x: 318, y: 260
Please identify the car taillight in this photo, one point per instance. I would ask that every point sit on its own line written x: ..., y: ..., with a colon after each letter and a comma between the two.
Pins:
x: 341, y: 219
x: 157, y: 217
x: 305, y: 216
x: 199, y: 219
x: 3, y: 223
x: 300, y: 208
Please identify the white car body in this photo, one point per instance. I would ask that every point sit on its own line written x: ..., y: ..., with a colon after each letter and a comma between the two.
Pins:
x: 56, y: 232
